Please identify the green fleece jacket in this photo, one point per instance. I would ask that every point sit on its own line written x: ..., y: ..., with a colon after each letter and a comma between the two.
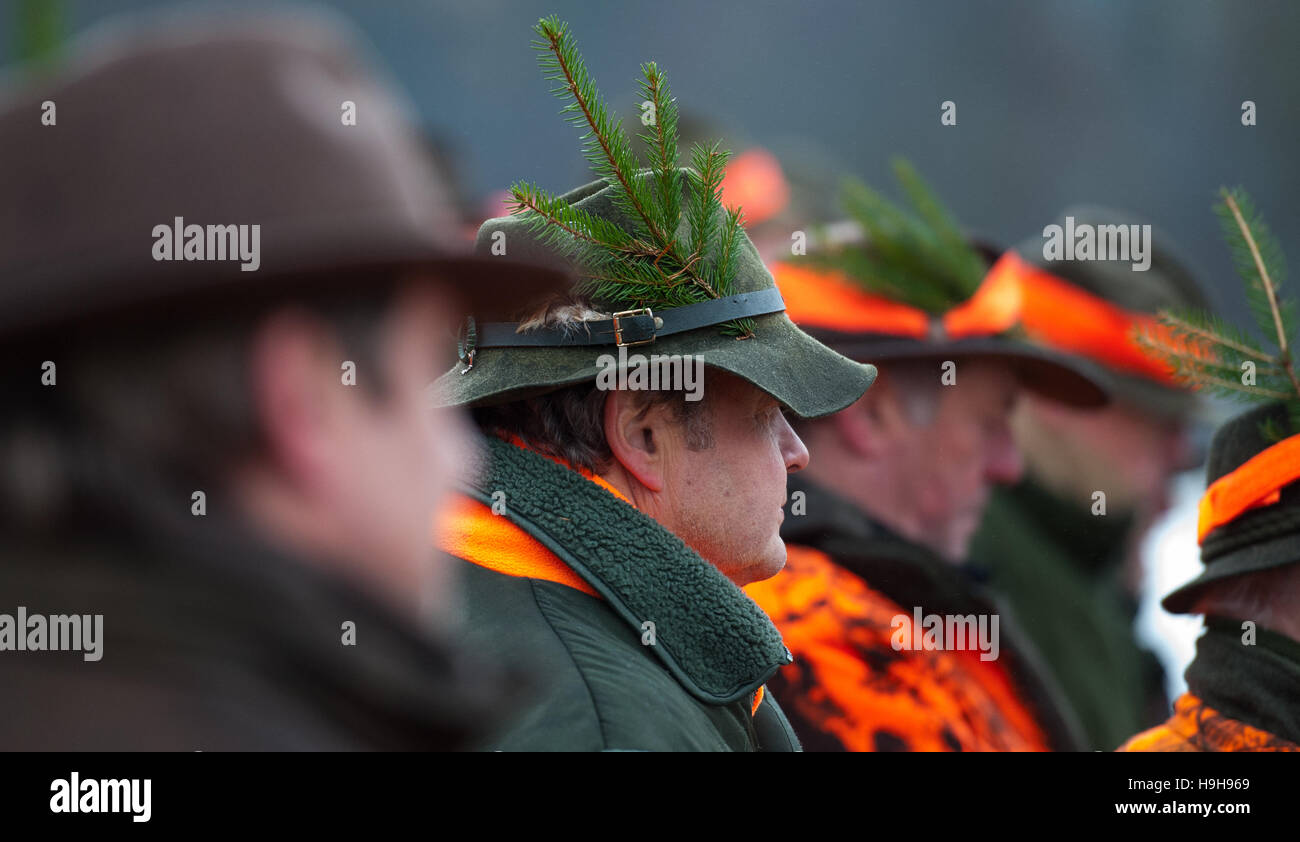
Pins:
x: 604, y: 682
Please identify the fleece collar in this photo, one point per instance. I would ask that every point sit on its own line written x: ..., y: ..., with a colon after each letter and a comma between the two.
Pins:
x: 710, y: 636
x: 1257, y: 684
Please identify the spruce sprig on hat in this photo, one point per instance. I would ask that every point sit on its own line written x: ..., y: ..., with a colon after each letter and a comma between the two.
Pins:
x: 650, y: 265
x: 916, y: 256
x: 1209, y: 353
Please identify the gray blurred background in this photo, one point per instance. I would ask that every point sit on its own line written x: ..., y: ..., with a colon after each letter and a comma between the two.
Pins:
x: 1134, y: 105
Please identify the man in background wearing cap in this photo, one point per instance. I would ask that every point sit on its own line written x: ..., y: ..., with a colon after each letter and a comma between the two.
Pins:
x: 607, y: 535
x: 1243, y: 686
x: 220, y: 317
x: 879, y: 524
x: 1063, y: 545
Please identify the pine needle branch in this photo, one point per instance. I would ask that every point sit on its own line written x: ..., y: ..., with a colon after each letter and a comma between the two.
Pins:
x: 1270, y: 290
x: 725, y: 271
x: 918, y: 256
x: 1183, y: 324
x: 662, y: 141
x: 1235, y: 386
x: 607, y: 147
x: 705, y: 199
x: 642, y: 266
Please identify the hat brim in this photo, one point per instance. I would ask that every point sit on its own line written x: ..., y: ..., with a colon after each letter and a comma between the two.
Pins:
x: 1252, y: 558
x: 1044, y: 372
x: 1168, y: 402
x: 475, y: 283
x: 808, y: 378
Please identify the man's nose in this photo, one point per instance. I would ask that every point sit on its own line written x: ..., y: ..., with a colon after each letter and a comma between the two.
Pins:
x: 1006, y: 465
x: 792, y: 448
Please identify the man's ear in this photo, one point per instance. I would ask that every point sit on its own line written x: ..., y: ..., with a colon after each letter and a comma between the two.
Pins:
x: 862, y: 426
x: 636, y: 436
x: 290, y: 384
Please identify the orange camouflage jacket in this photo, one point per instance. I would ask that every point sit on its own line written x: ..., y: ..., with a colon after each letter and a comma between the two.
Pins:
x: 856, y: 692
x: 851, y: 689
x: 1195, y: 726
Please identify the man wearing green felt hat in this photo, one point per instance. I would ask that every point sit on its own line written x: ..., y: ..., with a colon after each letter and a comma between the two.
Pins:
x: 636, y: 447
x: 1244, y: 683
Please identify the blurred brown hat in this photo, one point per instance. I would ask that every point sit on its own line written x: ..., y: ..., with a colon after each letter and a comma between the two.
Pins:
x: 218, y: 121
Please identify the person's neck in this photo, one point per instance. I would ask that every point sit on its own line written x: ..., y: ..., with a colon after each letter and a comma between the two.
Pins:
x: 867, y: 486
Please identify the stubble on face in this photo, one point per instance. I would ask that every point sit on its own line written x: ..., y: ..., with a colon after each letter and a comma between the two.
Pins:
x: 727, y: 499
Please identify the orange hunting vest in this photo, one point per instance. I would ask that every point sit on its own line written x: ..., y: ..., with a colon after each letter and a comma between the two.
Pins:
x: 849, y: 688
x: 1195, y: 726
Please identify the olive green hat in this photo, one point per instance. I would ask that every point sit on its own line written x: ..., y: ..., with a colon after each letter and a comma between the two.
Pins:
x: 1261, y: 538
x: 666, y: 267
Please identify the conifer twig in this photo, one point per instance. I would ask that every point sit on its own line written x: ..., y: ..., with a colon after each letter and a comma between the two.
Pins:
x: 1284, y: 354
x: 557, y: 38
x: 1181, y: 324
x: 1206, y: 379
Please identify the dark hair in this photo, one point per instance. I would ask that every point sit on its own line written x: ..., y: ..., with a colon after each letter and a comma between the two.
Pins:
x: 569, y: 423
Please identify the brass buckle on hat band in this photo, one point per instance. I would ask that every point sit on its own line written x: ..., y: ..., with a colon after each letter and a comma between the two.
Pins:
x: 626, y: 314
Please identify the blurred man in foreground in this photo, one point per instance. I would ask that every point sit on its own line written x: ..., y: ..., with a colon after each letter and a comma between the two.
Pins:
x: 221, y: 315
x: 1063, y: 544
x: 897, y: 646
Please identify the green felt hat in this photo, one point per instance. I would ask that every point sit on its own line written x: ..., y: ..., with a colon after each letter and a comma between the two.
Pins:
x: 1259, y: 539
x: 667, y: 267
